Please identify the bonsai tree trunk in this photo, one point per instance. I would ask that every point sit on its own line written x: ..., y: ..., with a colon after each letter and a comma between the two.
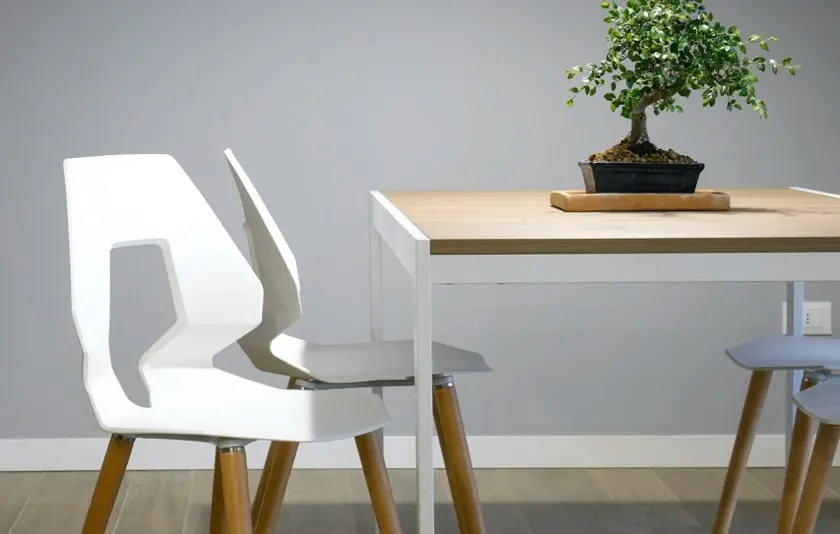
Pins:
x: 638, y: 128
x: 638, y: 139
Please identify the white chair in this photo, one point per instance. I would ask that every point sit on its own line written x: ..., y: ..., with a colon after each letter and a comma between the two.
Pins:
x: 329, y: 367
x: 821, y: 403
x: 118, y: 201
x: 763, y: 356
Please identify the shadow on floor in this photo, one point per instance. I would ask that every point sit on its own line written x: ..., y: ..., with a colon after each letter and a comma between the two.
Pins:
x: 552, y: 518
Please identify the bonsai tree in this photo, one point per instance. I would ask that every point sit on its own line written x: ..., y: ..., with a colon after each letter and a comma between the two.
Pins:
x: 661, y: 51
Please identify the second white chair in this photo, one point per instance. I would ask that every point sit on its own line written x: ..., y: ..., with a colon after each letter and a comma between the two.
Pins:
x: 356, y: 365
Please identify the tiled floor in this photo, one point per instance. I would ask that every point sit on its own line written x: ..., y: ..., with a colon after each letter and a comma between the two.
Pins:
x: 637, y: 501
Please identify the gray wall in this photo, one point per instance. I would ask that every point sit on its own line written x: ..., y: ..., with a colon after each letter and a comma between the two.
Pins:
x: 323, y: 101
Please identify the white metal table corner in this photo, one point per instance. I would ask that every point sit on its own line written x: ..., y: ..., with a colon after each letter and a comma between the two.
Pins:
x: 411, y: 247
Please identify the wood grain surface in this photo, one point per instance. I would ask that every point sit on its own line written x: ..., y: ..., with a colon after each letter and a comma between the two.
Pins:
x: 524, y: 222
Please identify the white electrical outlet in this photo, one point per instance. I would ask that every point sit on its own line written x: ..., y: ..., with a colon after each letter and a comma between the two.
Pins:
x: 817, y: 320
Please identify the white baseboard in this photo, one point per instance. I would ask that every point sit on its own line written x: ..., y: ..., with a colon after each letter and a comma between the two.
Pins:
x: 83, y: 454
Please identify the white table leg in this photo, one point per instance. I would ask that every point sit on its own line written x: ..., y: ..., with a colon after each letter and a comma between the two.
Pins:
x: 423, y: 388
x: 793, y: 327
x: 376, y: 322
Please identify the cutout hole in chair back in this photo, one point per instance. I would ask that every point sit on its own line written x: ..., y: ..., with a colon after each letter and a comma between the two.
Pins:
x: 134, y: 200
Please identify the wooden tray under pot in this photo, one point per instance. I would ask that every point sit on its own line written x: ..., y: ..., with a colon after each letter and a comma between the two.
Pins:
x: 698, y: 201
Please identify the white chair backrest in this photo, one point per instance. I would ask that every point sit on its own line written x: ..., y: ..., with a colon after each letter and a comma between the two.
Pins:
x: 273, y: 260
x: 125, y: 200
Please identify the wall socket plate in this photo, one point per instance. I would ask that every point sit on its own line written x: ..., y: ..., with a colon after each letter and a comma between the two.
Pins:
x: 817, y: 320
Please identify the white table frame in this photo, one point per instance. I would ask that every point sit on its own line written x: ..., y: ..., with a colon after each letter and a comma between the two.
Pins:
x: 391, y: 228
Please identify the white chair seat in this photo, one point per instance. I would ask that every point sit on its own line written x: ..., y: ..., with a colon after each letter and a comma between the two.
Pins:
x: 213, y: 403
x: 821, y: 402
x: 787, y: 352
x: 365, y: 361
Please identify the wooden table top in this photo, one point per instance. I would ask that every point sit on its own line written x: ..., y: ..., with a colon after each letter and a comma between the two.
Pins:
x: 523, y: 222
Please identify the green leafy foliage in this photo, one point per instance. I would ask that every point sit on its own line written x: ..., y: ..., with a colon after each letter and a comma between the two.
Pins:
x: 663, y: 50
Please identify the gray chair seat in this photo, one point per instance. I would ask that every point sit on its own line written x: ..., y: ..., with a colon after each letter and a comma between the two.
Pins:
x: 774, y: 353
x: 821, y: 402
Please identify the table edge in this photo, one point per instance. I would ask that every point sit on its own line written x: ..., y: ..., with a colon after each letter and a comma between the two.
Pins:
x: 470, y: 246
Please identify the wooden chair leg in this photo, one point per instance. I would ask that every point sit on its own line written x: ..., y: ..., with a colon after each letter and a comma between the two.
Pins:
x: 456, y: 459
x: 235, y: 490
x: 379, y: 487
x: 108, y: 484
x: 750, y: 415
x: 274, y: 481
x: 459, y: 514
x: 822, y: 457
x: 801, y: 441
x: 259, y: 495
x: 217, y: 504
